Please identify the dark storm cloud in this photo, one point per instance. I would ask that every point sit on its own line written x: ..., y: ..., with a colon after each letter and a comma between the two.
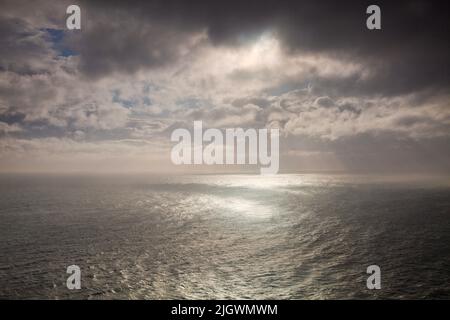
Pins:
x: 116, y: 40
x: 23, y: 49
x: 410, y: 53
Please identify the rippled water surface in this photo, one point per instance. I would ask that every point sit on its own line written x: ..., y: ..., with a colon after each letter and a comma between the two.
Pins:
x: 230, y: 236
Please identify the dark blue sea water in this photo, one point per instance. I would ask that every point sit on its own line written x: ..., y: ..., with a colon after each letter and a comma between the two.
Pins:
x: 228, y: 236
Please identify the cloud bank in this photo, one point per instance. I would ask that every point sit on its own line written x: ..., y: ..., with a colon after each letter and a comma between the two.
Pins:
x: 109, y: 95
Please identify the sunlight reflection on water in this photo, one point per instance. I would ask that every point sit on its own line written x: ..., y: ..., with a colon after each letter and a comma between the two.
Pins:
x: 287, y: 236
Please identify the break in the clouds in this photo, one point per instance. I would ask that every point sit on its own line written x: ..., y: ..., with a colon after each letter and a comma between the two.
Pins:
x: 106, y: 97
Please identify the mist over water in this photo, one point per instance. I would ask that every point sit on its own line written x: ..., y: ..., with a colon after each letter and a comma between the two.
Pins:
x: 223, y: 237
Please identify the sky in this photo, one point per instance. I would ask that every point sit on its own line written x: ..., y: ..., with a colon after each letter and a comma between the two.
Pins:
x: 107, y: 97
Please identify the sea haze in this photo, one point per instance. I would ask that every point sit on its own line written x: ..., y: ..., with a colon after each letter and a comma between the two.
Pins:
x: 224, y: 237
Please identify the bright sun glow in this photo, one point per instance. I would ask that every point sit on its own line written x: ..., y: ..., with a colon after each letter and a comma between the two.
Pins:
x: 265, y: 52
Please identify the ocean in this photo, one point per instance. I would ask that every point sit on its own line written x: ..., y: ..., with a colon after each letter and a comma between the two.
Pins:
x: 302, y: 236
